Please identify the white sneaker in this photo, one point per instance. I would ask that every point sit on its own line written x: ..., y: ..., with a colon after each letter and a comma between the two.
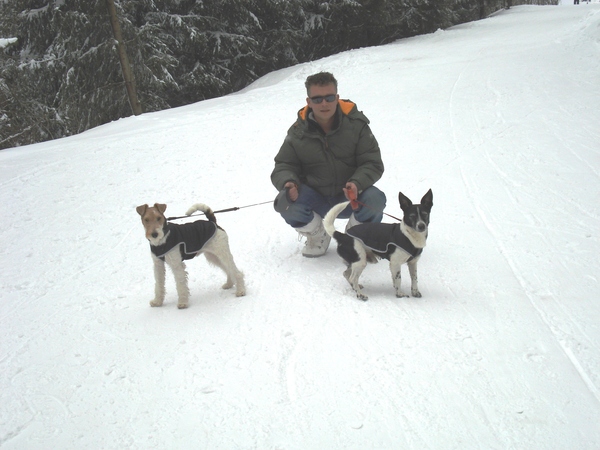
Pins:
x: 317, y: 239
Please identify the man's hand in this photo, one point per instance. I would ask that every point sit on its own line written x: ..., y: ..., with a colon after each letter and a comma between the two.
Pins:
x: 292, y: 190
x: 351, y: 193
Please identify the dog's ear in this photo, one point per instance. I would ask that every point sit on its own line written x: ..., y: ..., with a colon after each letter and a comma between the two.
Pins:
x: 161, y: 207
x: 141, y: 209
x: 427, y: 200
x: 405, y: 202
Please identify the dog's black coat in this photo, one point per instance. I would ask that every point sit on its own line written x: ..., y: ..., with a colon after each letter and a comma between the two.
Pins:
x: 190, y: 237
x: 383, y: 239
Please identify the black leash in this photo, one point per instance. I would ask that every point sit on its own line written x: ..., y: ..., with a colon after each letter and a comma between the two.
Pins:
x: 235, y: 208
x: 384, y: 213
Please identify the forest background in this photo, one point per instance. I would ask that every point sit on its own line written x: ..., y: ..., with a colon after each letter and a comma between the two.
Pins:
x: 60, y: 73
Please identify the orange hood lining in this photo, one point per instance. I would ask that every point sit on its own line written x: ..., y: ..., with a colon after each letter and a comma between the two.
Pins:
x: 345, y: 105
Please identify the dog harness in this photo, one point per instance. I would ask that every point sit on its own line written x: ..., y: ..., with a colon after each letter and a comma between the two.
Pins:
x: 190, y: 237
x: 382, y: 238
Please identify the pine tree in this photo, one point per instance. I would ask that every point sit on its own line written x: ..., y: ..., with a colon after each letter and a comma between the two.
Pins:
x: 63, y: 76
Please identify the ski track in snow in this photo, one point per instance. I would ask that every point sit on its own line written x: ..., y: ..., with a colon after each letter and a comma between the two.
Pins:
x: 499, y: 117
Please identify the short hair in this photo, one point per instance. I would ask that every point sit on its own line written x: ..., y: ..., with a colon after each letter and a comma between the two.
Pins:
x: 320, y: 79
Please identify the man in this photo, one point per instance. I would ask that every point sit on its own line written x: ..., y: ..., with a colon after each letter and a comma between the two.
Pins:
x: 329, y: 155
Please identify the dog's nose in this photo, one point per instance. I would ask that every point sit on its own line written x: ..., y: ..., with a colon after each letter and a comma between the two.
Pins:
x: 154, y: 235
x: 421, y: 226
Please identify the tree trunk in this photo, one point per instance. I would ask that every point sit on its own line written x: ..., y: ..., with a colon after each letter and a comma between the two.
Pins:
x: 136, y: 107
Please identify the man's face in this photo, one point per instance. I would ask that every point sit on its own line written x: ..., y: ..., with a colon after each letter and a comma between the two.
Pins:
x: 325, y: 110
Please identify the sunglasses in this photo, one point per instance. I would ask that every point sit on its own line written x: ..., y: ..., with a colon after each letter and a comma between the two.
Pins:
x: 319, y: 98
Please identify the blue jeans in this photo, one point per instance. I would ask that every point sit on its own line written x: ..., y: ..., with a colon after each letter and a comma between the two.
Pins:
x: 309, y: 200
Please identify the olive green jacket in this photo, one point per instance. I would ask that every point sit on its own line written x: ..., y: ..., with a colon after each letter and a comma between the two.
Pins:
x: 326, y: 162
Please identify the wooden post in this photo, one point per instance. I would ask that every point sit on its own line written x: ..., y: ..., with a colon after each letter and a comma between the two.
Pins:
x: 136, y: 107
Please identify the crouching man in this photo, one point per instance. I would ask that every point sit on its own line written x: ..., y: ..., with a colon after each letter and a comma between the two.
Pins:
x: 328, y: 156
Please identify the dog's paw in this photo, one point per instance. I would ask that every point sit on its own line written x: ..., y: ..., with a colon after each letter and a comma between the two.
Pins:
x: 361, y: 296
x: 240, y: 293
x: 416, y: 294
x: 182, y: 305
x: 227, y: 285
x: 155, y: 302
x: 401, y: 295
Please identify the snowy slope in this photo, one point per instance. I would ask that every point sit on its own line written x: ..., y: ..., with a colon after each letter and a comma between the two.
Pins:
x: 499, y: 117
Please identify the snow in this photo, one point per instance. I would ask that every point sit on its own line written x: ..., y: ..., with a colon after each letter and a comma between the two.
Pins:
x: 499, y: 117
x: 5, y: 42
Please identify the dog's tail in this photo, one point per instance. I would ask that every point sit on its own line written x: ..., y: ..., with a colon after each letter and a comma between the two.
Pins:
x: 208, y: 212
x: 328, y: 221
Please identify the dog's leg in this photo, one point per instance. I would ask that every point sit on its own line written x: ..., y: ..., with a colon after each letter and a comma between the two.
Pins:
x: 412, y: 269
x: 234, y: 276
x: 355, y: 270
x: 347, y: 273
x: 159, y: 282
x: 173, y: 259
x: 219, y: 248
x: 354, y: 255
x: 233, y: 272
x: 215, y: 261
x: 395, y: 267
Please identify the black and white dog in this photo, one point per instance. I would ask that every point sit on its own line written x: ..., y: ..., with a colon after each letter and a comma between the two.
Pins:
x: 399, y: 243
x: 173, y: 243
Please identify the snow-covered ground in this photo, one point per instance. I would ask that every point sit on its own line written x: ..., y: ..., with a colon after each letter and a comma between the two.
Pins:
x: 500, y: 117
x: 5, y: 42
